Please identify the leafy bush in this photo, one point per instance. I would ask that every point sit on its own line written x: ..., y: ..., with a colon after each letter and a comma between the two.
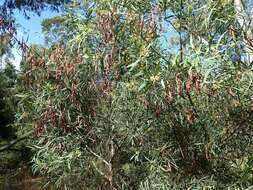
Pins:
x: 112, y: 109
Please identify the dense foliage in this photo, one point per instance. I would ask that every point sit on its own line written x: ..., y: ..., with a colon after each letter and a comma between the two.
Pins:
x: 7, y: 82
x: 142, y: 95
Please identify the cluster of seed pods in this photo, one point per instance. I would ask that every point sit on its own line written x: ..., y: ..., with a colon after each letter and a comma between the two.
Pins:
x: 192, y: 84
x: 58, y: 67
x: 178, y: 88
x: 107, y: 26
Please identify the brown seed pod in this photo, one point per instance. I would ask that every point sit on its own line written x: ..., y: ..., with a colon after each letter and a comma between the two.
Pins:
x: 141, y: 24
x: 62, y: 120
x: 39, y: 127
x: 188, y: 86
x: 146, y: 103
x: 190, y: 116
x: 157, y: 110
x: 195, y: 78
x: 169, y: 96
x: 179, y: 85
x: 1, y: 21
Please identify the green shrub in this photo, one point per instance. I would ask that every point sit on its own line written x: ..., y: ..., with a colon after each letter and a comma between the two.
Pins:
x: 112, y: 109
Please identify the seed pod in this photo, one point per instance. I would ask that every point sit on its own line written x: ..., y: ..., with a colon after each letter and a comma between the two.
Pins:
x: 231, y: 32
x: 196, y: 81
x: 188, y: 86
x: 1, y: 21
x: 62, y: 120
x: 197, y: 85
x: 39, y: 127
x: 169, y: 97
x: 158, y: 110
x: 179, y: 86
x: 207, y: 155
x: 74, y: 89
x: 146, y: 103
x: 141, y: 27
x: 190, y: 117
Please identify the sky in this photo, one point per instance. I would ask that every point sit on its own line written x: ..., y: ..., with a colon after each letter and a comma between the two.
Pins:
x: 30, y: 30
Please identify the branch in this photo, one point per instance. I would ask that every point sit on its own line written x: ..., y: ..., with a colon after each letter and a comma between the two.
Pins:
x: 98, y: 156
x: 240, y: 13
x: 245, y: 26
x: 13, y: 142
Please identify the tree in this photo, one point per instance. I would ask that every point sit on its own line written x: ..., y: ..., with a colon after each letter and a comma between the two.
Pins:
x: 112, y: 109
x: 7, y: 21
x: 8, y: 78
x: 8, y: 6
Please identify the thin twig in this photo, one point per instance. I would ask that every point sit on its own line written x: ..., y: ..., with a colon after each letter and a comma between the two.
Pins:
x: 98, y: 156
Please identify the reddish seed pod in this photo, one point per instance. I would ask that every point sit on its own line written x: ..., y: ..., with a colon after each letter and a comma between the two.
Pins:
x: 179, y: 86
x: 1, y: 21
x: 39, y: 127
x: 169, y: 97
x: 141, y: 27
x: 146, y: 103
x: 196, y: 81
x: 188, y: 86
x: 62, y: 120
x: 158, y: 110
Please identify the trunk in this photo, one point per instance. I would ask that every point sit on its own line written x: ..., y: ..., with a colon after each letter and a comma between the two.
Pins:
x: 244, y: 24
